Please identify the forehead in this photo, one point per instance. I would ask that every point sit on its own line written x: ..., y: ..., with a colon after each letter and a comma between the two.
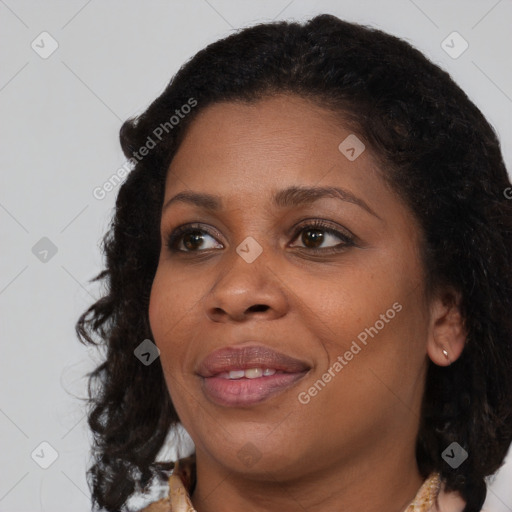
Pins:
x: 272, y: 142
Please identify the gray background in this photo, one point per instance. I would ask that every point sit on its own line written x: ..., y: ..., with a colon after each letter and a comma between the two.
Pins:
x: 59, y: 140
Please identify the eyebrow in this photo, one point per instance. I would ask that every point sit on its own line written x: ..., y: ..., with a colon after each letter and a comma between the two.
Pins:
x: 287, y: 198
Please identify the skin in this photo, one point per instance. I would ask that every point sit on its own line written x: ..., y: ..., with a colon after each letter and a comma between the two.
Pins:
x: 353, y: 444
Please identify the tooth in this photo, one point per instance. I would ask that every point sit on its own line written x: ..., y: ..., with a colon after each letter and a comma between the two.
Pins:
x: 236, y: 374
x: 268, y: 371
x: 253, y: 373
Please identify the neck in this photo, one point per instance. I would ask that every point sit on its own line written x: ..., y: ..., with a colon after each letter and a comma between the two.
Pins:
x: 385, y: 482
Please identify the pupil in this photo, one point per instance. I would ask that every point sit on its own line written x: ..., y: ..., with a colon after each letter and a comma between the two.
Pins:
x: 193, y: 240
x: 312, y: 235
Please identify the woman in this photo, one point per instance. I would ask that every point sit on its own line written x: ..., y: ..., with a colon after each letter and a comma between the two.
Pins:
x: 316, y: 237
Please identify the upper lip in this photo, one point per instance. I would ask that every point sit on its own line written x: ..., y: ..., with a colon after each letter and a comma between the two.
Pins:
x: 242, y: 358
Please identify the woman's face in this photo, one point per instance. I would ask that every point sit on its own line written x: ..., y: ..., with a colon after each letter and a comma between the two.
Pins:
x: 291, y: 318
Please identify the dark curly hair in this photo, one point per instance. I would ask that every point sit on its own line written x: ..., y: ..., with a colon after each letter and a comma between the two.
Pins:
x: 436, y: 150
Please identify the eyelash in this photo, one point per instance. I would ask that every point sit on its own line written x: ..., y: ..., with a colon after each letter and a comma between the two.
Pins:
x: 347, y: 239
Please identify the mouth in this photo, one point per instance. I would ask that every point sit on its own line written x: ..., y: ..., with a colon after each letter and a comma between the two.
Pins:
x: 245, y: 376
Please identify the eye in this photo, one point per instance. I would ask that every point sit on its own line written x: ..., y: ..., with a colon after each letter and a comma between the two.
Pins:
x: 319, y: 236
x: 191, y: 238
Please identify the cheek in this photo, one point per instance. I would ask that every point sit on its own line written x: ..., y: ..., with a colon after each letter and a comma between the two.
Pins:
x: 160, y: 300
x: 177, y: 319
x: 169, y: 317
x: 339, y: 306
x: 170, y: 308
x: 380, y: 309
x: 173, y: 295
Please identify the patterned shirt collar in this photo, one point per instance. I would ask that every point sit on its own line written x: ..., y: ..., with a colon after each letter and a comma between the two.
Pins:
x: 429, y: 498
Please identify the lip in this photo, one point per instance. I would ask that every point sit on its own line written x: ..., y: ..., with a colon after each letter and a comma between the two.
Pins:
x: 244, y: 391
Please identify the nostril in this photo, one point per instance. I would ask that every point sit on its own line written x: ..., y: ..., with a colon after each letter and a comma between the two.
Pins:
x: 258, y: 307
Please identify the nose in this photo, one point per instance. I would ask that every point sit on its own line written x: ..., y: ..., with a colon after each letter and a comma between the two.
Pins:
x: 244, y: 290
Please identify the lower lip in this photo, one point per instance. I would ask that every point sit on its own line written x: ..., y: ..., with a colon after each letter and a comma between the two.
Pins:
x: 244, y: 392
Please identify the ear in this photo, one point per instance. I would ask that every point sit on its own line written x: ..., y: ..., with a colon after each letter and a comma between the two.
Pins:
x: 447, y: 332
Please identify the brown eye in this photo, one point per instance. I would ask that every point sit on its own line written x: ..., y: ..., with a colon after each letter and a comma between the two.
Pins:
x: 192, y: 240
x: 318, y: 236
x: 312, y: 238
x: 189, y: 238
